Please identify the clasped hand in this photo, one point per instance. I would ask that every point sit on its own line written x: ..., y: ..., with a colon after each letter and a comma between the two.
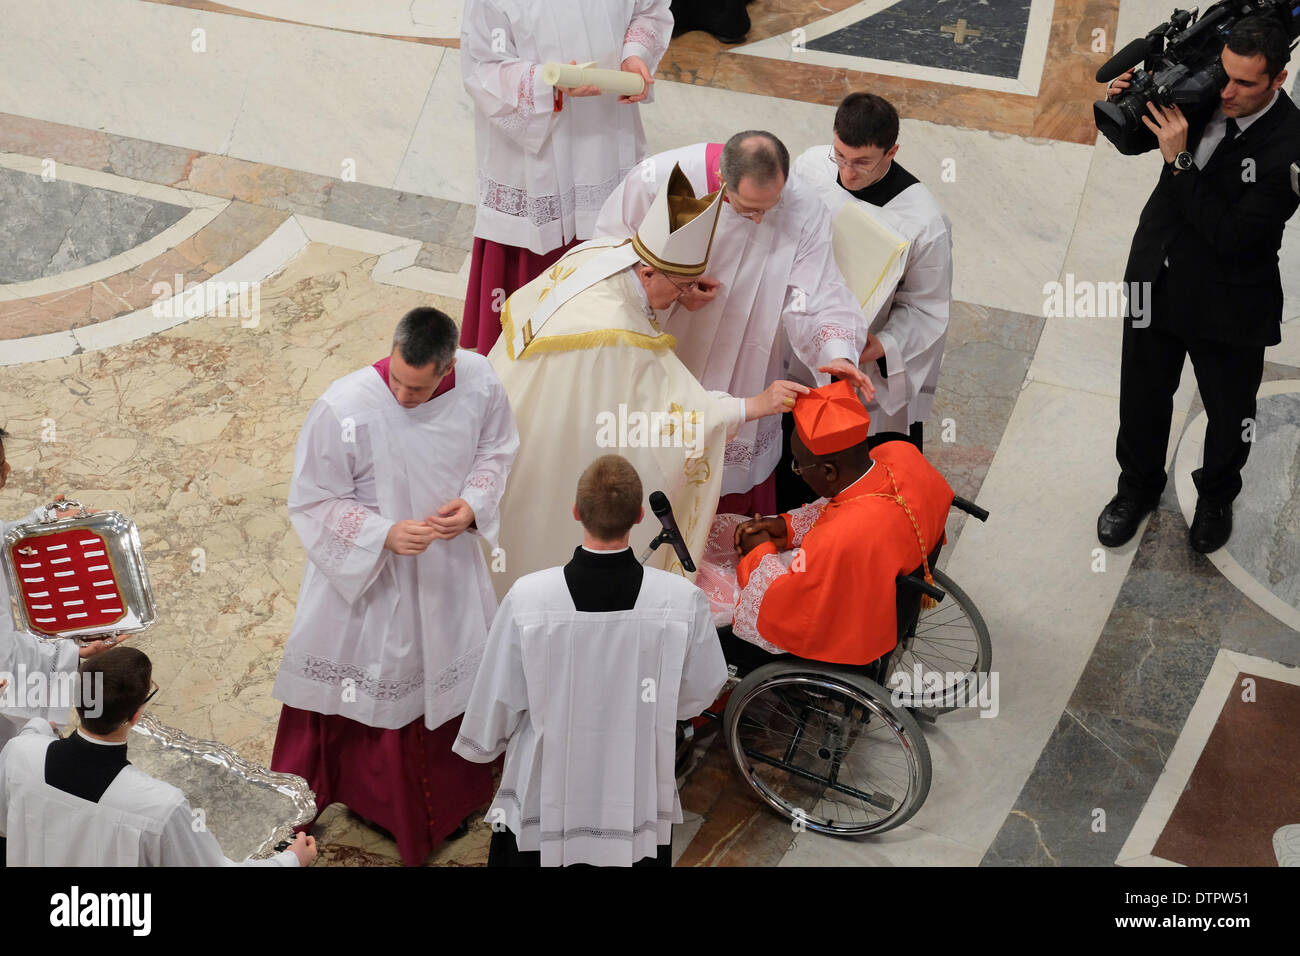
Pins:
x: 414, y: 537
x: 758, y: 530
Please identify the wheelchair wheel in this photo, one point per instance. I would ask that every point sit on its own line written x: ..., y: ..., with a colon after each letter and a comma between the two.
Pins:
x: 950, y: 646
x: 825, y: 748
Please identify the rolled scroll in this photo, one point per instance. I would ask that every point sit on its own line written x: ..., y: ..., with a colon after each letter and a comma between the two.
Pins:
x: 609, y: 81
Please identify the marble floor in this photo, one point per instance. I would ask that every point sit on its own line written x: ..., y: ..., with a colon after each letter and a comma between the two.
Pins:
x: 193, y: 244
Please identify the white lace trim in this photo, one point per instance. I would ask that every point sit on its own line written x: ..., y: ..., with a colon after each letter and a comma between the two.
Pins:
x: 802, y: 520
x: 832, y: 333
x: 527, y: 100
x: 745, y: 625
x: 322, y: 670
x: 484, y: 481
x: 646, y: 37
x: 342, y: 535
x: 741, y: 452
x: 541, y: 210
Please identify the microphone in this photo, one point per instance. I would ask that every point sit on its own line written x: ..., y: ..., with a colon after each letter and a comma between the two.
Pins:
x: 664, y: 512
x: 1125, y: 60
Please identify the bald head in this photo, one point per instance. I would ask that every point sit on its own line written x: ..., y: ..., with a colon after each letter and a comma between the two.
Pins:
x: 757, y: 155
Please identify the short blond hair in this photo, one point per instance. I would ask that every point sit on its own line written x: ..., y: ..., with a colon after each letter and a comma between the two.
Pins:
x: 609, y: 497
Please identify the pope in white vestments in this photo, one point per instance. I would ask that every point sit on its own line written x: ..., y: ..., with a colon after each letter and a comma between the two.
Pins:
x: 775, y: 279
x: 588, y: 668
x: 858, y: 169
x: 547, y: 158
x: 589, y: 369
x: 393, y: 464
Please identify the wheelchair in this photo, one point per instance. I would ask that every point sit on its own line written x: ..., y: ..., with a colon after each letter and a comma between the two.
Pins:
x: 828, y: 746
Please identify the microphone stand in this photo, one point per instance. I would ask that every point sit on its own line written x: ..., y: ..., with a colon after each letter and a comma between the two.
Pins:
x: 663, y: 537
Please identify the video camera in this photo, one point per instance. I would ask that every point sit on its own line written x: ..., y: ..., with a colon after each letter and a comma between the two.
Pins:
x: 1181, y: 67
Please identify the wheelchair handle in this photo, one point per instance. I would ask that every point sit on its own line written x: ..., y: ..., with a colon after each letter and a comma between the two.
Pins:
x: 970, y: 507
x: 919, y: 583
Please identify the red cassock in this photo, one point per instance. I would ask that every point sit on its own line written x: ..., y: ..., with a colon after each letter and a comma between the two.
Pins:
x: 835, y: 602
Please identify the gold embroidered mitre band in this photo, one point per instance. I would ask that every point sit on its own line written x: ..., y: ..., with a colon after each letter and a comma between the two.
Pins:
x: 677, y: 233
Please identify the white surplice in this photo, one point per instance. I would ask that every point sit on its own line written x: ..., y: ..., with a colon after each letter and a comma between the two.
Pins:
x: 915, y: 326
x: 22, y: 655
x: 543, y: 175
x: 585, y: 706
x: 587, y: 385
x: 777, y: 277
x: 139, y: 821
x: 378, y: 637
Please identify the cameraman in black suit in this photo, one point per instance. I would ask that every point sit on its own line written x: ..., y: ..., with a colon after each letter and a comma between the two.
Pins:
x: 1207, y: 243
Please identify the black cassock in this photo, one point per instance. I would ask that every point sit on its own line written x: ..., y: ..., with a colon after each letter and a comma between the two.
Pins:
x: 725, y: 19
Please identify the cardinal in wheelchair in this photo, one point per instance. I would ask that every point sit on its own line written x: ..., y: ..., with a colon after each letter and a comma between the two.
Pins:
x: 819, y: 582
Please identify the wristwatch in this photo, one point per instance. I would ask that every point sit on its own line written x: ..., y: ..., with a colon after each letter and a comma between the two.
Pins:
x: 1183, y: 161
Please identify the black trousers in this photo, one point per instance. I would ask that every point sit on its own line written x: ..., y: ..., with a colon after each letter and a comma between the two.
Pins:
x: 792, y: 492
x: 1151, y: 365
x: 504, y: 851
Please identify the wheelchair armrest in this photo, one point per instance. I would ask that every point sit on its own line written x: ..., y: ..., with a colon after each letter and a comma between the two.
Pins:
x: 971, y: 508
x: 918, y: 583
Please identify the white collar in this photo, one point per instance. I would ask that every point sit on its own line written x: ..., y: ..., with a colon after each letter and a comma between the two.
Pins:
x: 103, y: 743
x: 1244, y: 121
x: 606, y: 551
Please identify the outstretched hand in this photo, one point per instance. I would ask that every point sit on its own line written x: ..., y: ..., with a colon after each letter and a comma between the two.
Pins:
x: 99, y: 647
x: 846, y: 370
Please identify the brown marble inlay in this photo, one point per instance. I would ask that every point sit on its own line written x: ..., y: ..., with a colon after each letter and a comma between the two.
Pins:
x: 1062, y: 110
x: 1246, y: 783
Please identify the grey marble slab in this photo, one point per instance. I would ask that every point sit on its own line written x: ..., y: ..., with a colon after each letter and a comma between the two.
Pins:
x: 1266, y: 516
x: 1174, y: 613
x: 911, y: 31
x: 53, y: 227
x: 431, y: 220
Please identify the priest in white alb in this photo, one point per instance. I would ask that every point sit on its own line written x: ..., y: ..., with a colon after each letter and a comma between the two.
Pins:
x: 589, y: 369
x: 547, y: 156
x: 78, y: 801
x: 398, y: 472
x: 856, y: 175
x: 772, y: 277
x: 588, y: 668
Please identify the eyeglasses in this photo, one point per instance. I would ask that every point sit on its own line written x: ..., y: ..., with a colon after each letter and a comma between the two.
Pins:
x: 154, y: 685
x: 753, y: 215
x: 857, y: 165
x: 692, y: 286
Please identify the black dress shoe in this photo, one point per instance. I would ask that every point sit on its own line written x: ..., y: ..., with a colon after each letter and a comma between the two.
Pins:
x: 1211, y: 527
x: 1119, y: 520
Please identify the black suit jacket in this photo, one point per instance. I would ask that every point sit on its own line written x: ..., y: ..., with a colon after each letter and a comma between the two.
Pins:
x: 1221, y: 228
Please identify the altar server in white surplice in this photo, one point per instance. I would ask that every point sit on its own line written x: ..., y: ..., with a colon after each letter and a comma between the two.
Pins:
x: 907, y: 336
x: 588, y: 669
x: 23, y: 656
x: 588, y: 369
x: 772, y: 275
x: 547, y: 157
x: 78, y: 801
x: 398, y: 473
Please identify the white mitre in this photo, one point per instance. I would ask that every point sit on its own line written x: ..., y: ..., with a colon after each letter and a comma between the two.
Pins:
x: 677, y: 233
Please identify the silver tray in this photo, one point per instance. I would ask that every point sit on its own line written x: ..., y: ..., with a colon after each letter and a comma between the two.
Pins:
x: 248, y: 808
x: 81, y: 577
